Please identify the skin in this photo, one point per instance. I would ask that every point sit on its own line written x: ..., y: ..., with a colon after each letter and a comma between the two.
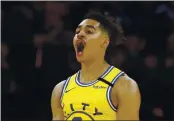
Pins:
x: 57, y: 111
x: 125, y: 93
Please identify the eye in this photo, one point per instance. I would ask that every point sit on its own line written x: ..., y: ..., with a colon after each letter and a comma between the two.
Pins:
x: 89, y: 32
x: 77, y: 31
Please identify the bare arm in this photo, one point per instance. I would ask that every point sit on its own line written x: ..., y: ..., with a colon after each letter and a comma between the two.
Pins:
x: 57, y: 111
x: 129, y: 99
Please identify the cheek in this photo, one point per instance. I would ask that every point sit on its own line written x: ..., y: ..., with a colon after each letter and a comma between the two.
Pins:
x: 93, y: 46
x: 74, y: 39
x: 94, y: 36
x: 94, y: 40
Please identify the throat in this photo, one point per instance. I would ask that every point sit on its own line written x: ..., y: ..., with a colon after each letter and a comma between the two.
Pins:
x: 92, y: 72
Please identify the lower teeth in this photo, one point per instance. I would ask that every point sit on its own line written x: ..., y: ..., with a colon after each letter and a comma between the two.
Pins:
x: 80, y: 53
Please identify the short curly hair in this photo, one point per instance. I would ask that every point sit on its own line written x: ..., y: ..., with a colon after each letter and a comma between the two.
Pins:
x: 114, y: 30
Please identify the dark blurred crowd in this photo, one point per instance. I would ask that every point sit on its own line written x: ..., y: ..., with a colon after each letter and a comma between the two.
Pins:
x: 37, y: 53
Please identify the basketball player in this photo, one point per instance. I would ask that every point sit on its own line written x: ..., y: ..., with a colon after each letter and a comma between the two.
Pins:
x: 98, y: 91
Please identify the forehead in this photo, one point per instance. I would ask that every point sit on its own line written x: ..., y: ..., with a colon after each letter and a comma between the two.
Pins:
x: 90, y: 22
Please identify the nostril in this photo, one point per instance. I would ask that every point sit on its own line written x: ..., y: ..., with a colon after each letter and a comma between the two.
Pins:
x: 80, y: 36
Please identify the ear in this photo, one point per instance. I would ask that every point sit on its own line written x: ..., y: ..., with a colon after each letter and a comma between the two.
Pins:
x: 105, y: 43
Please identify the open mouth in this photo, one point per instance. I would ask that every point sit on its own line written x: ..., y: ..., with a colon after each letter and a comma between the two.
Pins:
x: 80, y: 48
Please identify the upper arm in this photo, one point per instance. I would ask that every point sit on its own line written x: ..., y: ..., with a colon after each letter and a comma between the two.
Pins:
x: 129, y: 99
x: 57, y: 111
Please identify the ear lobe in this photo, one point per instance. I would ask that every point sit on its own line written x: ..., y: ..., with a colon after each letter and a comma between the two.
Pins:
x: 105, y: 44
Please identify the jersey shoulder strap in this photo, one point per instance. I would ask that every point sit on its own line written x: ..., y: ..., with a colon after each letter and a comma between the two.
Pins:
x: 67, y: 81
x: 111, y: 77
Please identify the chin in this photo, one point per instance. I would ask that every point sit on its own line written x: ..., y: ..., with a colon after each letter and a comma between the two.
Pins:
x: 80, y: 59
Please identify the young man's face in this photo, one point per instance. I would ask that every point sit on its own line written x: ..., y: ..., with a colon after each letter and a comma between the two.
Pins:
x: 89, y: 40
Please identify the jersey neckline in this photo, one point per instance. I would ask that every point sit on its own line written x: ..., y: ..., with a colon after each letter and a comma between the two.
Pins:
x: 77, y: 78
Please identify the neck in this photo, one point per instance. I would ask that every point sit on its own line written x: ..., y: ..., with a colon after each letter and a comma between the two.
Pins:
x: 92, y: 70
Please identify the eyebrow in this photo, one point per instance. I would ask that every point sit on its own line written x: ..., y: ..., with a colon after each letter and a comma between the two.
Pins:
x: 88, y: 26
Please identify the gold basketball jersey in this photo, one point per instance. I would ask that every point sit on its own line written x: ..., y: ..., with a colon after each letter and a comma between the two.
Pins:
x: 90, y: 101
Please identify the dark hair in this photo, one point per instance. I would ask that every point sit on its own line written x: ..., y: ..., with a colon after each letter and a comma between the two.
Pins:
x: 114, y: 30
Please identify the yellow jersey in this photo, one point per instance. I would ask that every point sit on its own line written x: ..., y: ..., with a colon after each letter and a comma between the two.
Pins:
x: 90, y: 101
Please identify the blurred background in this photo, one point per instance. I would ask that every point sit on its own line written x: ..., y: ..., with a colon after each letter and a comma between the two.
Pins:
x: 37, y: 53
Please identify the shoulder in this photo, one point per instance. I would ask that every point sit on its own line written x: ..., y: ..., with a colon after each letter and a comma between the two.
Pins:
x: 126, y: 85
x: 58, y: 89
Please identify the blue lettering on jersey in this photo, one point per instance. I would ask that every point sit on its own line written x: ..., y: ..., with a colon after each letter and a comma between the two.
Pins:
x: 84, y: 105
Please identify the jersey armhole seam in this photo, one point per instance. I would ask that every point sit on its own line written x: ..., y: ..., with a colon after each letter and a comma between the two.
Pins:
x: 109, y: 90
x: 64, y: 88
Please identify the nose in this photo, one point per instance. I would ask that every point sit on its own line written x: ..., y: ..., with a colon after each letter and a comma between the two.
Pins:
x: 80, y: 35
